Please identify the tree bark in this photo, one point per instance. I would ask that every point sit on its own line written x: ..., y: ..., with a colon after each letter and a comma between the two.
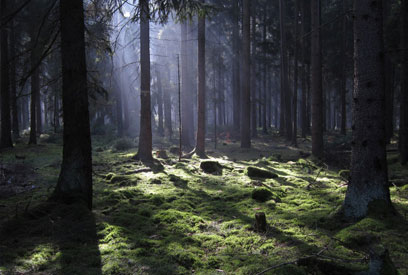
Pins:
x: 160, y: 103
x: 35, y: 88
x: 303, y: 106
x: 187, y: 135
x: 343, y: 78
x: 236, y: 91
x: 368, y: 183
x: 13, y: 84
x: 264, y: 103
x: 145, y: 136
x: 167, y: 109
x: 56, y: 111
x: 285, y: 112
x: 295, y: 76
x: 75, y: 179
x: 200, y: 142
x: 316, y: 82
x: 5, y: 138
x: 38, y: 108
x: 246, y: 89
x: 254, y: 87
x: 404, y: 87
x: 119, y: 110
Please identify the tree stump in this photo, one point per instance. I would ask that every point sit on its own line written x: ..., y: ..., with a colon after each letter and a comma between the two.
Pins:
x: 260, y: 222
x: 161, y: 154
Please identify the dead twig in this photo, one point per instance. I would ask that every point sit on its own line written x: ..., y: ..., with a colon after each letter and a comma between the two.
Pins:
x: 315, y: 180
x: 294, y: 261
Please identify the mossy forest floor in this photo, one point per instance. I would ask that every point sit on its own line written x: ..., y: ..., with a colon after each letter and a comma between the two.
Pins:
x: 171, y: 217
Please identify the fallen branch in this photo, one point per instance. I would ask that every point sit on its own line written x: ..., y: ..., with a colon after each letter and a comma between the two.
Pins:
x: 315, y: 180
x: 294, y: 261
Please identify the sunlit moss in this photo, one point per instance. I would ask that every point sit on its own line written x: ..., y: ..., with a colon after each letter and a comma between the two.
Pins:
x: 201, y: 222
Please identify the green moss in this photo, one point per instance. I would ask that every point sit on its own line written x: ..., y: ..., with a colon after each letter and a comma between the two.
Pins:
x: 192, y: 221
x: 184, y: 256
x: 363, y: 233
x: 179, y: 221
x: 123, y: 180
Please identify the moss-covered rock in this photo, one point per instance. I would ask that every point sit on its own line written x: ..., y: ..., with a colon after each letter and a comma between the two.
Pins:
x: 261, y: 194
x: 211, y: 167
x: 255, y: 172
x: 109, y: 176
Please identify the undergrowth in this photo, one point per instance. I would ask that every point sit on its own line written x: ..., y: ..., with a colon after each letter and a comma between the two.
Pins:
x: 172, y: 218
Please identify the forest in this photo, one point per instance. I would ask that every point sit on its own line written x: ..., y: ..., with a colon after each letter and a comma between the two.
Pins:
x: 204, y: 137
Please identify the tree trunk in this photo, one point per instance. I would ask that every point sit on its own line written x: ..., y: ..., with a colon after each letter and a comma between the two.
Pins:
x: 167, y: 109
x: 56, y: 111
x: 295, y: 76
x: 200, y: 142
x: 303, y: 105
x: 38, y: 108
x: 25, y: 111
x: 187, y: 135
x: 343, y: 78
x: 264, y: 103
x: 75, y: 179
x: 5, y: 138
x: 368, y: 183
x: 253, y: 81
x: 221, y: 97
x: 125, y: 98
x: 316, y: 82
x: 404, y: 87
x: 285, y: 112
x: 119, y: 110
x: 35, y: 88
x: 246, y: 89
x: 13, y: 84
x: 236, y: 91
x: 160, y: 103
x: 45, y: 111
x: 145, y: 137
x: 308, y: 100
